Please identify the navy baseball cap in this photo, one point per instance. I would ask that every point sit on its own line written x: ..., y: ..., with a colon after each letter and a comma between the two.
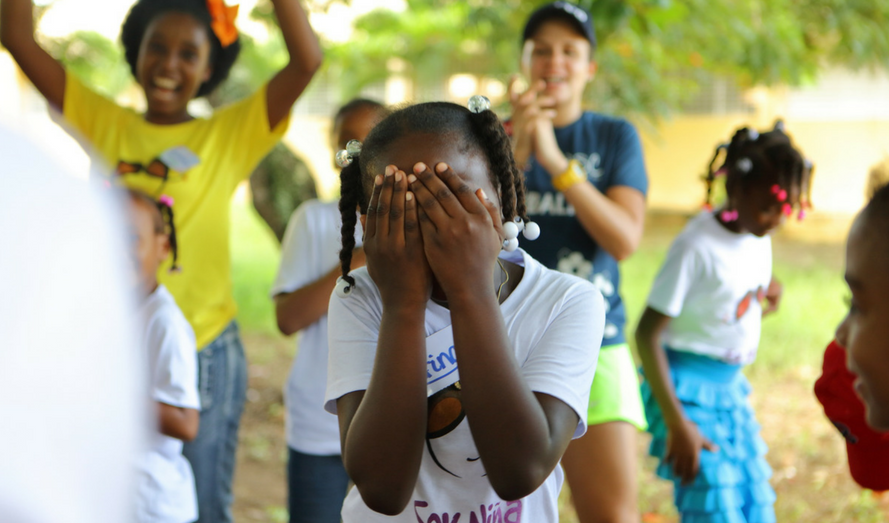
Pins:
x: 579, y: 17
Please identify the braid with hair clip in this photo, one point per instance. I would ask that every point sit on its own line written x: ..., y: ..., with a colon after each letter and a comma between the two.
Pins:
x: 351, y: 197
x: 491, y: 137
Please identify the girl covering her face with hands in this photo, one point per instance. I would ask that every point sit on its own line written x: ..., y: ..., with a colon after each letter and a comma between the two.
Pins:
x: 459, y: 373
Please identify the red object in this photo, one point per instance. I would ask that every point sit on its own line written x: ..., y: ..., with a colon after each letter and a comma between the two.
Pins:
x: 867, y: 449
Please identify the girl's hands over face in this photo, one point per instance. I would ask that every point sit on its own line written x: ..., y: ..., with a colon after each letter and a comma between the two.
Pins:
x: 461, y: 229
x: 527, y: 108
x: 393, y: 245
x: 684, y: 444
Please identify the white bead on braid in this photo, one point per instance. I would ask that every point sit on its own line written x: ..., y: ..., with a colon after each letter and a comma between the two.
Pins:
x: 479, y: 103
x: 510, y: 230
x: 343, y: 289
x: 532, y: 231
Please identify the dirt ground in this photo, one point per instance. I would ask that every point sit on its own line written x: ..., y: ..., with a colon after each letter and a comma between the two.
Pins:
x: 808, y: 455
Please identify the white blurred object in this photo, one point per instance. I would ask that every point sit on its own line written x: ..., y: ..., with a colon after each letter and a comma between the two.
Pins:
x: 72, y: 407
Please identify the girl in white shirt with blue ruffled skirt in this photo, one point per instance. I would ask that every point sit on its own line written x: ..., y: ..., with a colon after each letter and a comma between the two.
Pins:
x: 702, y: 325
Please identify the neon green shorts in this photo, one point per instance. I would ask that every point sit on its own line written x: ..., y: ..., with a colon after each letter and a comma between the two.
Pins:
x: 615, y: 394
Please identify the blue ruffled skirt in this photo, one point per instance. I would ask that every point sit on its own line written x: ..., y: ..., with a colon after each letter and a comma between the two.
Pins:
x: 732, y: 485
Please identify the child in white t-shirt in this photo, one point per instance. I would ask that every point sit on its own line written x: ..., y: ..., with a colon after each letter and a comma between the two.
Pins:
x: 702, y: 324
x: 166, y: 489
x: 459, y: 372
x: 317, y: 481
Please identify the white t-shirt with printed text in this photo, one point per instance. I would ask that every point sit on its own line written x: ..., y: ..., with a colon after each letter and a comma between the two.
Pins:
x: 166, y: 491
x: 711, y: 285
x: 310, y: 249
x: 554, y: 322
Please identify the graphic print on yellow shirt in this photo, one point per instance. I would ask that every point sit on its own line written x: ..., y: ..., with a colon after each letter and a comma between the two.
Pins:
x: 171, y: 164
x: 199, y: 164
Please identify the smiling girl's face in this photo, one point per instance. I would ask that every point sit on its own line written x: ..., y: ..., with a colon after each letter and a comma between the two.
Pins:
x: 561, y: 57
x: 865, y: 330
x: 174, y: 61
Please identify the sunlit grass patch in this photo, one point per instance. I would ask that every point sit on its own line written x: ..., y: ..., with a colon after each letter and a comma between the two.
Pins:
x: 255, y: 256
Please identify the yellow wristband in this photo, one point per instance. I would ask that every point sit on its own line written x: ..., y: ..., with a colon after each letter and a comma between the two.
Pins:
x: 573, y: 175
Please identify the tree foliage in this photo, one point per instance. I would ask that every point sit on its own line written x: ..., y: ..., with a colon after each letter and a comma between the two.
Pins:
x: 652, y: 53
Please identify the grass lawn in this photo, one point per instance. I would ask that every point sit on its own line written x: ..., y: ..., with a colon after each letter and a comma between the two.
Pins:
x: 806, y: 451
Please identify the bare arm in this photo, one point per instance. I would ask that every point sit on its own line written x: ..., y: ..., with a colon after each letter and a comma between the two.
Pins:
x: 383, y: 429
x: 178, y: 422
x: 655, y: 365
x: 615, y: 219
x: 684, y: 440
x: 520, y: 435
x: 305, y: 58
x: 298, y: 309
x: 17, y: 36
x: 773, y: 296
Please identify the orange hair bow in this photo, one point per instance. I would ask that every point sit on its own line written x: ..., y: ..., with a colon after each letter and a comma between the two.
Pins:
x: 223, y: 23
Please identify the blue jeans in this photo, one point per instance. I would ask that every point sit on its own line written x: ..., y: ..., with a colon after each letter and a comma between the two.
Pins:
x: 222, y: 383
x: 317, y: 487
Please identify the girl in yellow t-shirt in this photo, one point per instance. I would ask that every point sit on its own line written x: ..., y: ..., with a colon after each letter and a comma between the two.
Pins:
x: 178, y: 50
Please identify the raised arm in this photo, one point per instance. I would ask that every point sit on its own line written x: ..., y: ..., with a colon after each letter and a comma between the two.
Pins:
x: 615, y: 219
x: 383, y: 428
x: 305, y: 58
x: 17, y: 36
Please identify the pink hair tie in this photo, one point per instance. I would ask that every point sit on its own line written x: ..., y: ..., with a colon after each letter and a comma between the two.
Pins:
x: 776, y: 189
x: 782, y: 195
x: 787, y: 209
x: 166, y: 200
x: 801, y: 215
x: 728, y: 216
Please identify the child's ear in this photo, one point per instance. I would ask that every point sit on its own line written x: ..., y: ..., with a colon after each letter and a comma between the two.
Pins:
x: 162, y: 246
x: 208, y: 72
